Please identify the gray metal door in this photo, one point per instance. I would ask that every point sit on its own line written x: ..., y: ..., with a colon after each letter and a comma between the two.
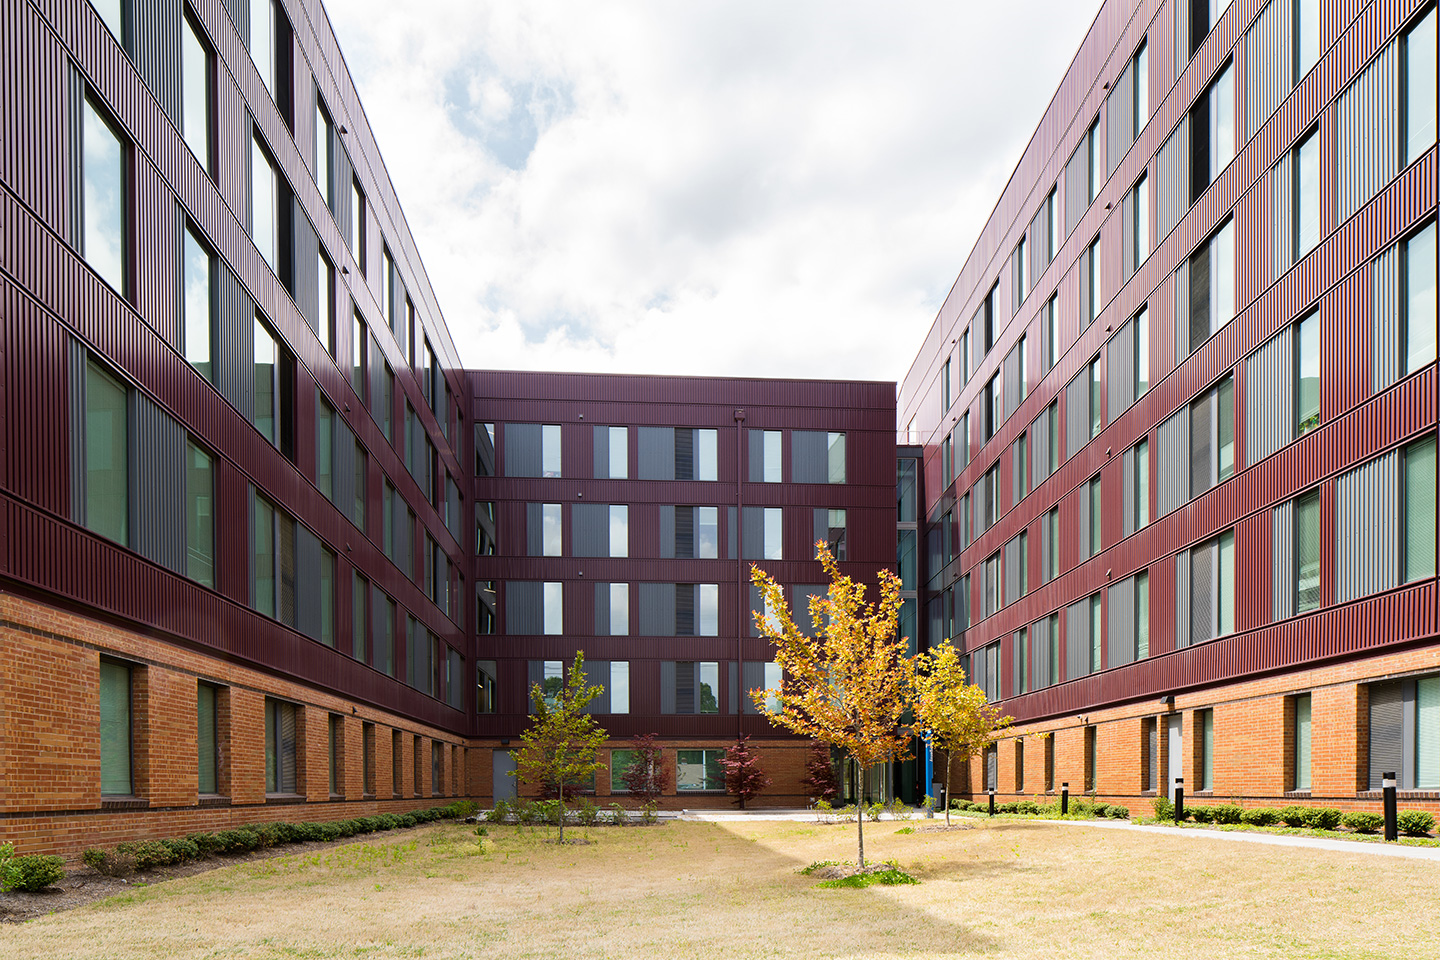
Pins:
x: 504, y: 786
x: 1175, y: 746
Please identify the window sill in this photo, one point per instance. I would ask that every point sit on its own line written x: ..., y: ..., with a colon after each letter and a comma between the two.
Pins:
x: 1400, y: 794
x: 212, y: 800
x: 1296, y: 794
x: 124, y: 803
x: 280, y: 799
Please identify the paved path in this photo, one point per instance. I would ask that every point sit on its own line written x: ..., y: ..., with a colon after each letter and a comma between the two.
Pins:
x: 1241, y: 836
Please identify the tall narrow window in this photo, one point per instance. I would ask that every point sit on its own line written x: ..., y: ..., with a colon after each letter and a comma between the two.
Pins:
x: 107, y: 445
x: 619, y: 686
x: 620, y: 529
x: 1307, y: 552
x: 1205, y: 721
x: 262, y: 41
x: 550, y: 456
x: 270, y: 409
x: 1418, y: 526
x: 198, y: 303
x: 1307, y: 381
x: 195, y: 91
x: 619, y: 609
x: 1212, y: 132
x: 112, y: 13
x: 358, y: 345
x: 207, y: 765
x: 387, y: 276
x: 324, y: 134
x: 1306, y: 197
x: 199, y: 516
x: 1419, y: 91
x: 1049, y: 335
x: 1418, y: 301
x: 1094, y: 491
x: 619, y: 452
x: 358, y: 487
x: 1140, y: 222
x: 1142, y: 614
x: 280, y: 747
x: 103, y: 198
x: 359, y: 618
x: 835, y: 442
x: 325, y: 312
x: 324, y: 447
x: 551, y: 532
x: 385, y: 404
x: 554, y: 611
x: 115, y: 730
x: 1301, y: 739
x: 357, y: 225
x: 1142, y: 352
x: 264, y: 205
x: 1097, y: 398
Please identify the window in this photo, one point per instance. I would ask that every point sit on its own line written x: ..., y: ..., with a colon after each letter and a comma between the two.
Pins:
x: 1419, y: 91
x: 324, y: 447
x: 618, y: 689
x: 387, y: 290
x: 199, y: 516
x: 1212, y: 132
x: 1281, y: 46
x: 965, y: 370
x: 324, y: 137
x: 1307, y: 380
x: 993, y: 599
x: 1417, y: 302
x: 1199, y: 441
x: 424, y: 373
x: 367, y: 746
x: 272, y: 562
x: 1017, y: 260
x: 265, y: 205
x: 620, y: 530
x: 325, y: 305
x: 358, y: 344
x: 195, y: 91
x: 397, y: 763
x: 263, y: 47
x: 1136, y: 228
x: 1091, y: 762
x: 1128, y: 610
x: 487, y: 677
x: 944, y: 391
x: 1049, y: 335
x: 107, y: 446
x: 816, y: 457
x: 1090, y: 296
x: 198, y: 303
x: 281, y: 738
x: 550, y: 530
x: 830, y: 526
x: 337, y: 756
x: 115, y: 730
x: 104, y: 197
x: 273, y: 379
x: 1090, y: 544
x: 620, y: 762
x: 1020, y: 469
x: 1305, y: 195
x: 1205, y: 768
x: 1082, y: 178
x: 699, y: 770
x: 1418, y: 557
x: 1298, y: 737
x: 385, y: 403
x: 114, y: 15
x: 1306, y: 576
x: 437, y: 763
x: 550, y: 450
x: 362, y: 470
x: 554, y: 614
x: 486, y: 602
x: 612, y: 454
x: 1136, y: 467
x: 772, y: 533
x: 1049, y: 545
x: 694, y: 688
x: 992, y: 407
x: 1405, y: 732
x: 947, y: 460
x: 1205, y: 591
x: 207, y: 739
x: 359, y: 619
x: 357, y: 226
x: 1097, y: 399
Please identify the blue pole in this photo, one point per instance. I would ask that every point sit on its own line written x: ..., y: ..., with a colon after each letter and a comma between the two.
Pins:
x: 929, y: 765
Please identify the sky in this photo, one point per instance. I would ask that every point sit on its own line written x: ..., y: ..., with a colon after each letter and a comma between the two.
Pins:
x: 779, y: 189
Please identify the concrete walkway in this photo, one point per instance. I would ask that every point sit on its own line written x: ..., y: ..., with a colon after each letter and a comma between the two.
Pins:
x: 1198, y: 833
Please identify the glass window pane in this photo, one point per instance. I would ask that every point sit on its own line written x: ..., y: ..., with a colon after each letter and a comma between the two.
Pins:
x: 1225, y: 428
x: 619, y: 453
x: 707, y: 682
x: 707, y: 534
x: 1222, y: 112
x: 836, y: 450
x: 262, y: 41
x: 264, y: 198
x: 111, y: 12
x: 115, y: 729
x: 550, y: 450
x: 1420, y: 299
x: 1142, y: 484
x: 620, y: 530
x: 196, y: 302
x: 554, y: 609
x: 619, y: 686
x: 1207, y: 751
x: 1226, y: 589
x: 551, y: 529
x: 199, y: 516
x: 264, y: 377
x: 205, y: 726
x: 1427, y: 733
x: 195, y: 93
x: 103, y: 157
x: 1142, y: 615
x: 1307, y: 196
x: 1420, y: 88
x: 325, y: 313
x: 709, y: 619
x: 322, y: 152
x: 619, y: 609
x: 327, y: 597
x: 1142, y: 352
x: 1097, y: 399
x: 772, y: 459
x: 1419, y: 524
x: 1307, y: 553
x: 706, y: 463
x: 1307, y: 406
x: 359, y: 605
x: 106, y: 455
x: 772, y: 533
x: 1302, y: 742
x: 262, y: 564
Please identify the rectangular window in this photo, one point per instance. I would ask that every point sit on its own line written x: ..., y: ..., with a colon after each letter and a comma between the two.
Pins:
x: 1305, y: 198
x: 1418, y: 523
x: 1090, y: 760
x: 359, y: 618
x: 487, y: 686
x: 325, y: 307
x: 772, y: 533
x: 550, y: 536
x: 1021, y: 288
x: 835, y: 442
x: 1094, y: 492
x: 699, y: 770
x: 112, y: 13
x: 944, y: 386
x: 207, y: 740
x: 1418, y: 77
x: 199, y: 516
x: 195, y: 91
x: 262, y: 42
x: 265, y: 206
x: 619, y: 452
x: 1212, y: 132
x: 619, y: 594
x: 1139, y: 223
x: 619, y: 686
x: 1205, y: 722
x: 359, y: 341
x: 362, y: 470
x: 387, y: 290
x: 1307, y: 552
x: 1142, y: 615
x: 367, y: 745
x: 280, y: 747
x: 1405, y: 732
x: 620, y: 530
x: 104, y: 198
x: 324, y: 136
x: 1050, y: 545
x: 835, y: 532
x: 1417, y: 303
x: 550, y: 450
x: 271, y: 379
x: 554, y: 613
x: 1090, y: 296
x: 272, y: 562
x: 115, y: 730
x: 336, y: 758
x: 357, y: 225
x: 1049, y: 335
x: 198, y: 303
x: 1097, y: 398
x: 1307, y: 374
x: 1020, y: 469
x: 485, y: 607
x: 107, y: 454
x: 1300, y: 740
x: 1210, y: 589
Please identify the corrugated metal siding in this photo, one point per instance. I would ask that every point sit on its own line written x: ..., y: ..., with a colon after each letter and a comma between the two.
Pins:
x: 1269, y: 63
x: 78, y: 380
x: 656, y: 448
x: 1282, y: 560
x: 236, y: 349
x: 306, y: 243
x: 1182, y: 625
x: 1367, y: 547
x: 524, y: 608
x: 156, y: 42
x: 1385, y: 319
x: 809, y: 457
x: 657, y: 609
x: 1012, y: 572
x: 522, y: 449
x: 1077, y: 413
x: 1012, y: 381
x: 1172, y: 465
x: 1282, y: 228
x: 1119, y: 119
x: 1127, y: 492
x: 1077, y: 190
x: 1082, y: 523
x: 1367, y: 134
x: 590, y: 529
x: 1172, y: 181
x: 1120, y: 371
x: 307, y: 592
x: 1270, y: 397
x: 1121, y: 617
x: 1040, y: 460
x: 157, y: 466
x: 1077, y: 639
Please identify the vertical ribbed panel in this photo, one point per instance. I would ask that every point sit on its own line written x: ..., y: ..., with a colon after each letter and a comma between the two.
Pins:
x: 1127, y: 237
x: 236, y: 350
x: 1121, y: 617
x: 157, y: 25
x: 1388, y: 732
x: 1077, y: 185
x: 1282, y: 560
x: 1282, y: 195
x: 1085, y: 307
x: 809, y: 457
x: 1082, y: 523
x: 602, y: 610
x: 600, y: 453
x: 657, y: 609
x: 1367, y: 135
x: 307, y: 589
x: 980, y: 499
x: 655, y: 447
x: 1077, y: 639
x: 756, y: 459
x: 1385, y: 319
x: 524, y: 607
x: 306, y: 269
x: 1119, y: 119
x: 77, y: 361
x: 1012, y: 571
x: 1180, y: 34
x: 1012, y: 380
x: 1269, y: 63
x: 534, y: 530
x: 1270, y: 397
x: 159, y: 495
x: 344, y: 198
x: 590, y: 529
x: 1367, y: 547
x: 1182, y: 599
x: 1204, y: 592
x: 344, y: 467
x: 1202, y: 445
x: 1128, y: 492
x: 522, y: 449
x: 1120, y: 371
x: 376, y: 358
x: 667, y: 531
x: 1172, y: 181
x: 1182, y: 312
x: 1038, y: 242
x: 1040, y: 449
x: 1077, y: 413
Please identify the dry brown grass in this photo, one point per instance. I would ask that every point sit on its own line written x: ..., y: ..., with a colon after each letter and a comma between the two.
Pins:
x: 719, y: 891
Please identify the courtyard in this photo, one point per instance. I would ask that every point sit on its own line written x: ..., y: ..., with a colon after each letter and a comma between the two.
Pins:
x: 731, y: 889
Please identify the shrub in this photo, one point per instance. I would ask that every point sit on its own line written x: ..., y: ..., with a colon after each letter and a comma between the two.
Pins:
x: 329, y: 831
x: 1362, y: 821
x: 619, y: 815
x: 461, y: 809
x: 1227, y: 812
x: 182, y: 849
x: 1164, y: 809
x: 347, y: 828
x: 269, y: 833
x: 237, y: 841
x: 1117, y: 812
x: 388, y: 821
x: 33, y: 873
x: 147, y: 854
x: 899, y: 811
x: 207, y: 842
x: 962, y: 805
x: 1012, y: 806
x: 1291, y: 816
x: 1322, y: 818
x: 587, y: 812
x: 1416, y: 823
x: 1259, y: 817
x: 873, y: 811
x: 407, y: 820
x: 1201, y: 814
x: 1027, y: 806
x: 649, y: 814
x: 109, y: 863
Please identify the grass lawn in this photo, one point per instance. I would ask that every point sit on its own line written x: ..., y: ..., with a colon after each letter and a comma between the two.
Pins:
x: 726, y: 890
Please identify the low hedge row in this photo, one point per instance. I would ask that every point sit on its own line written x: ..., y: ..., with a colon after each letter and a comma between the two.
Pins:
x: 135, y: 855
x: 1413, y: 823
x: 1079, y: 807
x: 30, y: 872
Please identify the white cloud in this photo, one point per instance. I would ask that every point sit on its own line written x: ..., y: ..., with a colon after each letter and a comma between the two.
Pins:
x: 737, y: 188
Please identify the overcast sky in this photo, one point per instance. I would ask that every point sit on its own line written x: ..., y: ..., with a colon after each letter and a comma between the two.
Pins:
x: 782, y: 189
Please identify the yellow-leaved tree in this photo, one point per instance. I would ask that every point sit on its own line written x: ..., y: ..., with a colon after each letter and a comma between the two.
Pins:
x: 956, y: 715
x: 851, y: 682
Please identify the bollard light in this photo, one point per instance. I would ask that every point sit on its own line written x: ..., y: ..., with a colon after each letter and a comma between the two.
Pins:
x: 1179, y: 799
x: 992, y: 801
x: 1064, y: 797
x: 1391, y: 816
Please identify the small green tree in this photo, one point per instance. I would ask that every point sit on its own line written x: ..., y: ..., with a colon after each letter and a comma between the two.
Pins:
x: 562, y: 743
x: 956, y: 714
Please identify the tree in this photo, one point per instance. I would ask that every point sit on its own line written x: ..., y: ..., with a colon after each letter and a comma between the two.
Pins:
x: 562, y: 743
x: 956, y: 714
x: 646, y: 777
x: 851, y: 682
x: 820, y: 773
x: 743, y: 777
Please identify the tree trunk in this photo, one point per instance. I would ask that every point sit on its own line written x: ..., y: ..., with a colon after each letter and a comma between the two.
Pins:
x: 947, y: 789
x: 860, y: 813
x: 561, y: 801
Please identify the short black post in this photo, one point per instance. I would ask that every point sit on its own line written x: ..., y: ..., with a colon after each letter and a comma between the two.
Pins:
x: 992, y: 801
x: 1064, y: 798
x: 1391, y: 817
x: 1179, y: 799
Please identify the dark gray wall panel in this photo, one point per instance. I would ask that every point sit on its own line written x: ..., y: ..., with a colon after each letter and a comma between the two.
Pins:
x: 524, y: 607
x: 810, y: 460
x: 590, y: 530
x: 656, y: 449
x: 157, y: 469
x: 522, y: 450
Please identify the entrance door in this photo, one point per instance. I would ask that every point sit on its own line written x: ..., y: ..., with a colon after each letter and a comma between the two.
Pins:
x: 504, y: 784
x: 1175, y: 746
